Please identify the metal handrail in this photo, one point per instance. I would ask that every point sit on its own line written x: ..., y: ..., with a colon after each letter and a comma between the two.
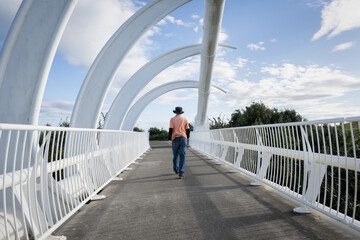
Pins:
x: 314, y: 162
x: 48, y: 173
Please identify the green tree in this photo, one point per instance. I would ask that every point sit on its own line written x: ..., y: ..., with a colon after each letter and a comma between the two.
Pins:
x: 136, y: 129
x: 64, y: 123
x: 158, y: 134
x: 258, y: 113
x: 218, y: 122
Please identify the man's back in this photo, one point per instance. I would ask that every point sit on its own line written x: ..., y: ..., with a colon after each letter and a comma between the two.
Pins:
x: 179, y: 124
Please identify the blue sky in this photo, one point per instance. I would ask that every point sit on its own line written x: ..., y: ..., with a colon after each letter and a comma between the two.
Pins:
x: 298, y: 54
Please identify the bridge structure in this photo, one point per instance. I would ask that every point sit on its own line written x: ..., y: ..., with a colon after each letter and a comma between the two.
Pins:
x: 48, y: 173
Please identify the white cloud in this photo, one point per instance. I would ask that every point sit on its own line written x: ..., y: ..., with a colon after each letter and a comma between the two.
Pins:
x: 196, y: 29
x: 299, y: 87
x: 162, y: 22
x: 223, y: 36
x: 343, y: 46
x: 241, y: 62
x: 255, y: 47
x: 316, y: 3
x: 274, y: 40
x: 338, y: 16
x: 171, y: 19
x: 176, y: 96
x: 201, y: 21
x: 90, y: 26
x: 140, y: 3
x: 195, y: 16
x: 56, y: 108
x: 223, y: 70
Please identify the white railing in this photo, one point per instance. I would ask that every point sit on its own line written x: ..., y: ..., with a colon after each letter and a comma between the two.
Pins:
x: 48, y: 173
x: 316, y: 163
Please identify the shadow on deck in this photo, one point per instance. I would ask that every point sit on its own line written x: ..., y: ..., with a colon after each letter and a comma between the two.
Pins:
x: 209, y: 203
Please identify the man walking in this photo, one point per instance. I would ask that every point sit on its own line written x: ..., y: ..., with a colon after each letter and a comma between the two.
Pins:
x: 179, y: 134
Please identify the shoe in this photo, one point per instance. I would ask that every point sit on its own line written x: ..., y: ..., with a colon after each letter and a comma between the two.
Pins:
x: 176, y: 172
x: 181, y: 176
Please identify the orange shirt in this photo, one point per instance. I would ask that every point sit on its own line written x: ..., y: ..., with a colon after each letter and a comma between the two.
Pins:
x: 179, y: 124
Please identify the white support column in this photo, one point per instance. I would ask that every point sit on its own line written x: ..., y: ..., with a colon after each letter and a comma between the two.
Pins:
x: 27, y: 56
x: 97, y: 82
x: 212, y: 22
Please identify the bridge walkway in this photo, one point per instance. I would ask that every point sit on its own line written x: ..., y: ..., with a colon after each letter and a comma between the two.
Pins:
x: 209, y: 203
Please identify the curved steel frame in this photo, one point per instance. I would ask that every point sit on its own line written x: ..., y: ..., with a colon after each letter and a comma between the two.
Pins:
x: 138, y: 81
x: 136, y: 109
x: 96, y: 84
x: 143, y: 76
x: 27, y: 56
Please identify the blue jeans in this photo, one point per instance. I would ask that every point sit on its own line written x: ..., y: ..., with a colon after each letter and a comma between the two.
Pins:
x: 179, y: 147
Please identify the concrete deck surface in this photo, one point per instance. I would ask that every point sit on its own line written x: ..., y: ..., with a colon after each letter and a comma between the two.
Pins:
x: 209, y: 203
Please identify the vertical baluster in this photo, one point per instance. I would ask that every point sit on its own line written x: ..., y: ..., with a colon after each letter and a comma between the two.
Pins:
x: 332, y: 168
x: 35, y: 171
x: 81, y: 163
x: 44, y: 181
x: 76, y: 171
x: 273, y: 160
x: 21, y: 187
x: 278, y: 156
x: 52, y: 171
x: 286, y: 129
x: 253, y: 141
x: 347, y: 171
x: 355, y: 173
x: 63, y: 146
x: 4, y: 187
x: 13, y: 184
x: 33, y: 145
x: 326, y: 164
x: 283, y: 159
x: 339, y: 172
x: 319, y: 168
x: 293, y: 161
x: 299, y: 165
x: 267, y: 144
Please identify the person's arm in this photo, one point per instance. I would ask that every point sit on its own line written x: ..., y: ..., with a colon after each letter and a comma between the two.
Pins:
x: 187, y: 129
x: 170, y: 135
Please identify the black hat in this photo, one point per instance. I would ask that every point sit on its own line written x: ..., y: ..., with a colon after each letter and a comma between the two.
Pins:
x: 178, y: 110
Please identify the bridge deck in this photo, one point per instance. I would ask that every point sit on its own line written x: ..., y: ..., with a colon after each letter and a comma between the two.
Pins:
x: 209, y: 203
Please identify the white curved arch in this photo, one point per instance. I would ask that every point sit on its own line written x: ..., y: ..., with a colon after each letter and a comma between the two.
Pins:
x: 136, y: 109
x: 138, y: 81
x: 95, y: 86
x: 27, y: 56
x: 143, y: 76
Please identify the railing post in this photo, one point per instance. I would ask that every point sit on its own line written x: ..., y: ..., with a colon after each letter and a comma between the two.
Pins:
x: 264, y: 158
x: 223, y: 150
x: 314, y: 174
x: 238, y: 153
